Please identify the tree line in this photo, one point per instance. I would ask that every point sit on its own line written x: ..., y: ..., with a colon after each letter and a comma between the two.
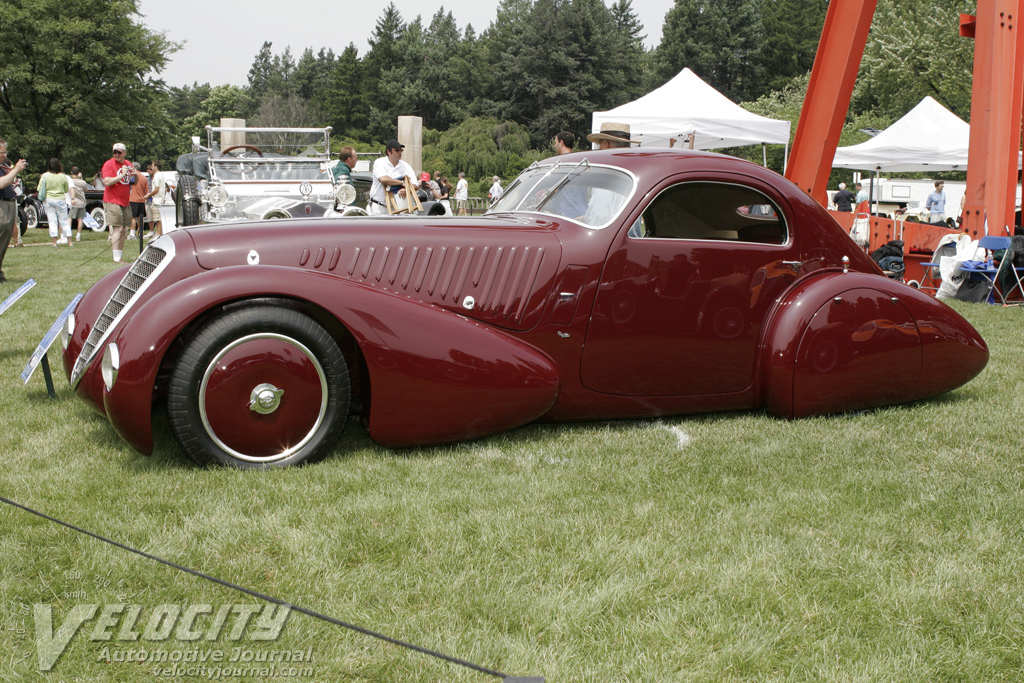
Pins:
x: 76, y: 76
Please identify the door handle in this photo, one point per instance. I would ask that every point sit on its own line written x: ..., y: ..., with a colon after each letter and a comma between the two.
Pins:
x: 795, y: 265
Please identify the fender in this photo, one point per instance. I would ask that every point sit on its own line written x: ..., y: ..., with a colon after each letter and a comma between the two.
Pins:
x: 461, y: 379
x: 849, y: 341
x: 87, y: 312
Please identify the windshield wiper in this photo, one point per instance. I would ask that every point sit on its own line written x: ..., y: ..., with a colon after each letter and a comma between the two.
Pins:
x: 574, y: 171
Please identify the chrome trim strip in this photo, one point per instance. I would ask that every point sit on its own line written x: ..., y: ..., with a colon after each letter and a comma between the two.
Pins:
x: 154, y: 259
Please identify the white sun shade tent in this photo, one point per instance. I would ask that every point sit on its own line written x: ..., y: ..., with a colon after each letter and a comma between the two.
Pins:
x: 697, y: 115
x: 928, y: 138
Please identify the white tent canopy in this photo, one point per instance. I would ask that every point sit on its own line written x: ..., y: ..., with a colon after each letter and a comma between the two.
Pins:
x: 687, y: 106
x: 928, y: 138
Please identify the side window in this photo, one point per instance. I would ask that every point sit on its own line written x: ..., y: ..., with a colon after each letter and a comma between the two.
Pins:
x: 712, y: 211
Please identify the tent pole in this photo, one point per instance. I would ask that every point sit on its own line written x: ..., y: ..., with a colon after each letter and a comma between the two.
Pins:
x: 785, y: 158
x: 764, y: 154
x: 871, y: 194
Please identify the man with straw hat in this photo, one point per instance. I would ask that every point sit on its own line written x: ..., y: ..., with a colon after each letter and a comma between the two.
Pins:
x: 612, y: 135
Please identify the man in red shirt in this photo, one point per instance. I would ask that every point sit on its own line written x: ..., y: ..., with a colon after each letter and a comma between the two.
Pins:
x: 118, y: 176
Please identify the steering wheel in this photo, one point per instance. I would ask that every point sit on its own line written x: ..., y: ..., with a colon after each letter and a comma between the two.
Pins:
x: 252, y: 147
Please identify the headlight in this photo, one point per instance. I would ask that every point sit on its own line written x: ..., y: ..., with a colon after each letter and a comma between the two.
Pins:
x: 110, y: 365
x: 67, y: 331
x: 217, y: 195
x: 346, y: 194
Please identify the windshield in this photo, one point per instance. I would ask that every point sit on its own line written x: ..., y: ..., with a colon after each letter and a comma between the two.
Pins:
x: 591, y: 195
x: 269, y: 142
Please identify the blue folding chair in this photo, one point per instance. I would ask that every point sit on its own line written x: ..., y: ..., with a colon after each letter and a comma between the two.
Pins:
x: 932, y: 275
x: 985, y: 270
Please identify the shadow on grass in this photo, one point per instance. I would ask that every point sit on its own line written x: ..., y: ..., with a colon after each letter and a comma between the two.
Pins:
x: 355, y: 439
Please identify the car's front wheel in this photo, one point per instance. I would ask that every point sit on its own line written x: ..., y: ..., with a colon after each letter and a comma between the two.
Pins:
x: 261, y: 386
x: 31, y: 215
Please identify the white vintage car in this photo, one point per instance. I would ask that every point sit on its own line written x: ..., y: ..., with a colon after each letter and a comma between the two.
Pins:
x: 263, y: 173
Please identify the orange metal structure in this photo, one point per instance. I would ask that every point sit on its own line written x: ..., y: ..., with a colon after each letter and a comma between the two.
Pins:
x: 996, y: 120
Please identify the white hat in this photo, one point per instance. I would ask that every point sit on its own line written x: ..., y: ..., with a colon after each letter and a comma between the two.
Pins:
x: 119, y: 147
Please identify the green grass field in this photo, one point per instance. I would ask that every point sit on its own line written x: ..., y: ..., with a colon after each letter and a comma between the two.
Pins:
x: 884, y: 546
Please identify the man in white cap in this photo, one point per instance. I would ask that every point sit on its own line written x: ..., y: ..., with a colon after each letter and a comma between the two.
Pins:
x: 612, y: 135
x: 118, y: 175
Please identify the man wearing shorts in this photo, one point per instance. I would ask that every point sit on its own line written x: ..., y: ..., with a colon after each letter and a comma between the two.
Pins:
x: 137, y: 200
x: 118, y: 176
x: 155, y: 199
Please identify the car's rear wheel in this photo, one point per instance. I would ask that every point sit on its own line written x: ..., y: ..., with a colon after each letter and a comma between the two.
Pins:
x: 187, y: 201
x: 100, y: 216
x: 22, y: 221
x: 259, y: 387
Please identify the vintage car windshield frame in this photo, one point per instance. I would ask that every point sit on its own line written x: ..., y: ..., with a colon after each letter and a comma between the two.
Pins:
x: 542, y: 187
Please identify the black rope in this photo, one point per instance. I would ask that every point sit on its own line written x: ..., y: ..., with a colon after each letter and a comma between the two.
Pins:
x: 277, y: 601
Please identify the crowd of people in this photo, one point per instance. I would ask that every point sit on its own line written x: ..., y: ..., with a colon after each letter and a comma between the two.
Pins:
x: 132, y: 196
x: 131, y: 200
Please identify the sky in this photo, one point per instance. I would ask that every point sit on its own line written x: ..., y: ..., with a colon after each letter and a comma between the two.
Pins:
x: 222, y: 37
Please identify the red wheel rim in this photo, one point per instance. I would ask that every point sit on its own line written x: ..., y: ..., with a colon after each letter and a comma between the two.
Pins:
x: 288, y: 378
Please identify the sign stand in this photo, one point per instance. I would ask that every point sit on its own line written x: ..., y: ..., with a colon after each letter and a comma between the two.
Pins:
x: 39, y: 355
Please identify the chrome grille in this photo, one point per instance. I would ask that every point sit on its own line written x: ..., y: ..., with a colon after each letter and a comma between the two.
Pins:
x: 134, y: 282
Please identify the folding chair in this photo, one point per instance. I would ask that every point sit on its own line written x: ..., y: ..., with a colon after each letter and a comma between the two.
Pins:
x: 984, y: 268
x: 1011, y: 280
x: 412, y: 201
x: 861, y: 232
x: 932, y: 276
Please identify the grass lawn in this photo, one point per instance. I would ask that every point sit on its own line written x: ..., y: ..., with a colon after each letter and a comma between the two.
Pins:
x: 884, y: 546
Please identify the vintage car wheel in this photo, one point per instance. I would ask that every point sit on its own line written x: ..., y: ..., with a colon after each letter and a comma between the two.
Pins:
x: 22, y: 221
x: 31, y: 215
x: 187, y: 201
x: 259, y: 387
x: 100, y: 216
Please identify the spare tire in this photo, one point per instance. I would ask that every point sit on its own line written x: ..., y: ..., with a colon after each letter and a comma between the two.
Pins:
x: 186, y: 201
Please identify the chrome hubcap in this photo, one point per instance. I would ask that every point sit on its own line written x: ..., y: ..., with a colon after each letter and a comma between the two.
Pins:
x: 265, y: 399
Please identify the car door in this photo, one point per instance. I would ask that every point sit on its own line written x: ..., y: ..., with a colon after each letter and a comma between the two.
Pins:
x: 686, y: 288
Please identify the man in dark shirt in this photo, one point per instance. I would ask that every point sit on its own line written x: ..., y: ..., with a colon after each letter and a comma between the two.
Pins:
x: 8, y: 202
x: 844, y: 199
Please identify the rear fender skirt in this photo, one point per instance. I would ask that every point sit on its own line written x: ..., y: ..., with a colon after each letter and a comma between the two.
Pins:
x: 849, y: 341
x: 435, y: 376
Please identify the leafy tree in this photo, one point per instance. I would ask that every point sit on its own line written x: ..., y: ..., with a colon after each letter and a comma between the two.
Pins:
x: 76, y: 77
x: 284, y: 111
x: 719, y: 40
x: 347, y: 109
x: 480, y: 147
x: 313, y: 78
x: 570, y: 60
x: 224, y: 101
x: 271, y: 74
x: 384, y: 56
x: 915, y: 50
x: 792, y: 29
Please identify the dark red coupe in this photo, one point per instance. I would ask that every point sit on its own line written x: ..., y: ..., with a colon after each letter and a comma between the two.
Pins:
x: 609, y: 284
